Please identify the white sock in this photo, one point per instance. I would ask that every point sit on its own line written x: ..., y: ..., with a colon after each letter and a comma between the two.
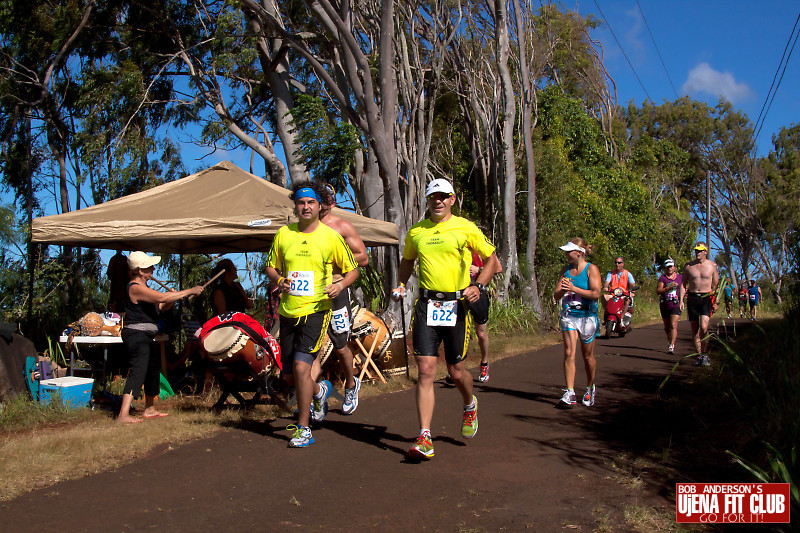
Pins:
x: 425, y: 433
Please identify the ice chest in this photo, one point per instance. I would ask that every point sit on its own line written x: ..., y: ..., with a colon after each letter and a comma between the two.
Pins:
x: 73, y: 391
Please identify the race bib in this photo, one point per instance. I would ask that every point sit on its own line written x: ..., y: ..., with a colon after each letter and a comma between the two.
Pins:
x: 753, y: 297
x: 573, y: 301
x: 301, y: 283
x: 442, y: 313
x: 672, y: 296
x: 340, y: 321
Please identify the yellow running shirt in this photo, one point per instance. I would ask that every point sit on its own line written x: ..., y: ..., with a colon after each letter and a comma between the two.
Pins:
x: 307, y: 260
x: 445, y: 251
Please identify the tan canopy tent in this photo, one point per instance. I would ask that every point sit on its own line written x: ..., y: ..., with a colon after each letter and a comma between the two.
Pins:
x: 222, y: 209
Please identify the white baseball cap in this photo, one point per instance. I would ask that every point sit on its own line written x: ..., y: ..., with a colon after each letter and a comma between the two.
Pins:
x: 439, y: 185
x: 572, y: 246
x: 142, y: 260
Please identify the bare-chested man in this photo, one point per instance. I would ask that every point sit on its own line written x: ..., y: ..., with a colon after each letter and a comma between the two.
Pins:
x: 342, y: 319
x: 700, y: 280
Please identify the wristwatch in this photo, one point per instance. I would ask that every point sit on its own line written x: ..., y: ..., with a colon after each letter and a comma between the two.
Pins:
x: 480, y: 286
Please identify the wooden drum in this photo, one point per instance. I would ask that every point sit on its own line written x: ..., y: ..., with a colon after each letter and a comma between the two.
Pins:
x: 228, y: 344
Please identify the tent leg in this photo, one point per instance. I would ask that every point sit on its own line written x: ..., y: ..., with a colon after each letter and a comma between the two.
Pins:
x: 402, y: 314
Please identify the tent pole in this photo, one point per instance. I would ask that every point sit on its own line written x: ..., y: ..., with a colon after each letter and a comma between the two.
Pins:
x: 31, y: 248
x: 402, y: 313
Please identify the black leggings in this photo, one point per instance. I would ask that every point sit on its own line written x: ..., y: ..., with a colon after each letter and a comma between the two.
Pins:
x: 145, y: 362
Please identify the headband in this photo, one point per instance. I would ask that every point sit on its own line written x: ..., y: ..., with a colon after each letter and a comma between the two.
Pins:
x: 306, y: 192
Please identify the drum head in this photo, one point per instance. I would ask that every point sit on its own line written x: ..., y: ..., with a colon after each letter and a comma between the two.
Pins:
x: 224, y: 342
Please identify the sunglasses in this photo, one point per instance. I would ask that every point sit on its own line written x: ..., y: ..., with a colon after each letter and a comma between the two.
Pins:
x: 620, y: 262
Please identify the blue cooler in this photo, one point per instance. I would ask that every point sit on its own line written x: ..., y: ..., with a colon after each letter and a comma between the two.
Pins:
x: 73, y: 391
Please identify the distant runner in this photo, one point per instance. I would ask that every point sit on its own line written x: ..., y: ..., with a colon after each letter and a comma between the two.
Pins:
x: 742, y: 300
x: 667, y: 288
x: 443, y: 245
x: 700, y: 280
x: 578, y: 288
x: 728, y: 300
x: 480, y: 313
x: 755, y: 296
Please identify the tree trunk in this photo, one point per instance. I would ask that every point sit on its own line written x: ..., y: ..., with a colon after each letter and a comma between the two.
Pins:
x: 532, y: 290
x: 508, y: 229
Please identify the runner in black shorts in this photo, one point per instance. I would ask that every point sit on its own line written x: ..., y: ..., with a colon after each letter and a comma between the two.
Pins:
x: 301, y: 263
x: 443, y: 244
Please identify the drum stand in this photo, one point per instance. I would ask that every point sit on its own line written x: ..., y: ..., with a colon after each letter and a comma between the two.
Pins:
x: 365, y: 358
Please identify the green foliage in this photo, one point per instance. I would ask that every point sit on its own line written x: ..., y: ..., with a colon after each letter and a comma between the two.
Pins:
x: 327, y: 147
x: 511, y: 318
x: 582, y: 192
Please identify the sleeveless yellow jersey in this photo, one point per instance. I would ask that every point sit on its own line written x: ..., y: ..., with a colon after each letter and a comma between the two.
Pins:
x: 445, y: 251
x: 307, y: 260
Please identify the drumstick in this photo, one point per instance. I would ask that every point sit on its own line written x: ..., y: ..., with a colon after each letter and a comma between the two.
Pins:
x: 207, y: 283
x: 162, y: 284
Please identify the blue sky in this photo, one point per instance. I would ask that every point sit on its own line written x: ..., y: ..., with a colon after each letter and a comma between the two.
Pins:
x: 710, y: 49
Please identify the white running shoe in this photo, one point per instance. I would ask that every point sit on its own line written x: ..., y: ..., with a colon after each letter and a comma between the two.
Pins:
x: 351, y: 398
x: 568, y: 399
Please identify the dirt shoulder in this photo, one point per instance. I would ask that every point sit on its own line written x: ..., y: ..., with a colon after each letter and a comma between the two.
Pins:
x: 531, y: 466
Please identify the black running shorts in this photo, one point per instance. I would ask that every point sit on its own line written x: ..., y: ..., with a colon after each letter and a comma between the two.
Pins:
x: 427, y: 338
x: 667, y: 312
x: 479, y: 309
x: 303, y: 334
x: 697, y: 305
x: 342, y: 301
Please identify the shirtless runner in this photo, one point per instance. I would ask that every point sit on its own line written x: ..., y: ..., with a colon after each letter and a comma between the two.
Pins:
x: 700, y: 280
x: 342, y: 320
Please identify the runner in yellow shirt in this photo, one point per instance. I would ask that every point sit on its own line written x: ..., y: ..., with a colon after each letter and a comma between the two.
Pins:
x: 443, y: 244
x: 301, y: 263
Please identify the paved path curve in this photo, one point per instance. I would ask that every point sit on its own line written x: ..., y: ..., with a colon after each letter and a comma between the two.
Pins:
x: 530, y: 466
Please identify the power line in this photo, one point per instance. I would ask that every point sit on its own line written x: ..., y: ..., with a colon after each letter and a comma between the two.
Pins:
x: 657, y: 50
x: 762, y: 115
x: 622, y: 50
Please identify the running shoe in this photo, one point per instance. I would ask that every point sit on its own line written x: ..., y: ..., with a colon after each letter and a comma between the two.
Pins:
x: 484, y: 377
x: 423, y: 448
x: 469, y: 426
x: 588, y: 398
x: 671, y: 349
x: 569, y: 399
x: 301, y: 437
x: 351, y: 398
x: 319, y: 406
x: 703, y: 360
x: 449, y: 380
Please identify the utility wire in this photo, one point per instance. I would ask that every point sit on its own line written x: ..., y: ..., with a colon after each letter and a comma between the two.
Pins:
x: 762, y: 115
x: 623, y: 50
x: 657, y: 50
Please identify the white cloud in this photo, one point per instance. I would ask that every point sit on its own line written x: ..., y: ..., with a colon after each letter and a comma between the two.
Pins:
x: 633, y: 37
x: 704, y: 79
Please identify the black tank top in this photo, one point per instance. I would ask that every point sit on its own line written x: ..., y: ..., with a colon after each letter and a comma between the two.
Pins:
x: 141, y: 313
x: 234, y: 302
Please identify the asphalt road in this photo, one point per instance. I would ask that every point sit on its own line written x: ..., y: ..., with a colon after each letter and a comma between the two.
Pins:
x: 531, y: 465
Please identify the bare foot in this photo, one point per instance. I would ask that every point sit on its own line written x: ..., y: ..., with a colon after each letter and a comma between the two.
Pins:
x: 153, y: 414
x: 128, y: 420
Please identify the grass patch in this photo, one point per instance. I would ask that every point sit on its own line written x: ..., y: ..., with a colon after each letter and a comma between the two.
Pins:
x: 22, y: 414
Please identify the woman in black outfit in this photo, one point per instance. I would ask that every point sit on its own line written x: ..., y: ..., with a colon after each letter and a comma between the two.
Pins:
x: 140, y: 326
x: 228, y: 295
